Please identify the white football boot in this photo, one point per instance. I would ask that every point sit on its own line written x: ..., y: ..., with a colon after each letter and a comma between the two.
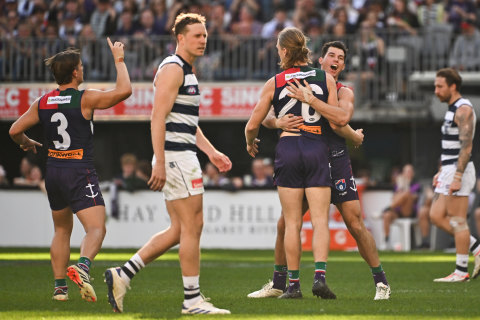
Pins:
x: 382, y: 292
x: 204, y: 307
x: 116, y: 288
x: 267, y: 291
x: 453, y: 277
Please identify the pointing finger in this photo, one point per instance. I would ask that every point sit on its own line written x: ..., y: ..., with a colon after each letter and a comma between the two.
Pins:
x: 109, y: 43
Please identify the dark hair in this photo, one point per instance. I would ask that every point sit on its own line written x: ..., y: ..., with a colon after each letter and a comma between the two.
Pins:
x: 185, y: 19
x: 451, y: 77
x: 295, y: 42
x: 63, y: 64
x: 336, y: 44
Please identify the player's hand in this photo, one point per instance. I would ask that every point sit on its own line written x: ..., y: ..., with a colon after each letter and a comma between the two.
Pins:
x: 358, y: 139
x: 30, y: 145
x: 300, y: 92
x: 454, y: 186
x: 289, y: 122
x: 252, y: 149
x: 117, y: 50
x: 158, y: 178
x: 221, y: 161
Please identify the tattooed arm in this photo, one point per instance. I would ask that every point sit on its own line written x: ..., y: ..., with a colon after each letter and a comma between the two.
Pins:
x: 464, y: 118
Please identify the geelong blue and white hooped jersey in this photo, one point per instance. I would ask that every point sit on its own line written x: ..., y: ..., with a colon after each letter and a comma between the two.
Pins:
x: 450, y: 132
x: 182, y: 121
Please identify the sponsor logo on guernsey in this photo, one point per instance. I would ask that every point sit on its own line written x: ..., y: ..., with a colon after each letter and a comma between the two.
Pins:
x: 340, y: 185
x: 59, y: 100
x: 300, y: 75
x: 311, y: 129
x: 68, y: 154
x: 197, y: 183
x: 191, y: 90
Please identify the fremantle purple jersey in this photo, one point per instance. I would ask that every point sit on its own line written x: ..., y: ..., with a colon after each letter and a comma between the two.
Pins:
x: 69, y: 135
x: 283, y: 104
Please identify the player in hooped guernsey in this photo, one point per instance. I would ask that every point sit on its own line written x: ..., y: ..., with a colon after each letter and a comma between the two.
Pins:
x: 66, y: 115
x: 456, y: 178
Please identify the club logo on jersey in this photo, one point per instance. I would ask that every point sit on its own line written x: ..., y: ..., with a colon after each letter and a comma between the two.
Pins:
x: 192, y: 90
x: 340, y: 185
x: 197, y: 183
x: 90, y: 186
x: 300, y: 75
x: 59, y: 99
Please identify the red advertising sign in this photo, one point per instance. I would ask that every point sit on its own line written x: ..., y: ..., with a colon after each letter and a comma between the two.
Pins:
x: 219, y: 101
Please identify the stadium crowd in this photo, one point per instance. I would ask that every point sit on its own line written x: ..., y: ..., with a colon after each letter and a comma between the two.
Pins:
x: 54, y: 25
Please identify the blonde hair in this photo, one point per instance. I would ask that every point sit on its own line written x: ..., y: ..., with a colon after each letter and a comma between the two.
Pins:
x: 295, y: 42
x: 185, y: 19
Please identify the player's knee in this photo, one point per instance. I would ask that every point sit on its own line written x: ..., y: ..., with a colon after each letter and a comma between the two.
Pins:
x: 458, y: 224
x: 356, y: 227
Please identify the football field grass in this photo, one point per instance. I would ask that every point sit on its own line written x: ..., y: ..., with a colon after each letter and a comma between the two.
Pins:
x: 227, y: 276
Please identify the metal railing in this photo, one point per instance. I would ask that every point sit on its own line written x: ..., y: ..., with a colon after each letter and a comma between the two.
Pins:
x: 378, y: 78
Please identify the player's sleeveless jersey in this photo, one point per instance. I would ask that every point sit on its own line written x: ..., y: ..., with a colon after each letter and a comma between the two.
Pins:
x: 182, y: 121
x: 334, y: 140
x: 69, y: 135
x: 450, y: 139
x: 283, y: 104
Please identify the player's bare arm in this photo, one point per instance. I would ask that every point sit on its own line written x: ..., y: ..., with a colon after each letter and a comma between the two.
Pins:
x: 221, y: 161
x: 346, y: 101
x: 167, y: 82
x: 258, y: 115
x: 103, y: 99
x: 288, y: 122
x: 329, y: 110
x: 26, y: 121
x: 465, y: 121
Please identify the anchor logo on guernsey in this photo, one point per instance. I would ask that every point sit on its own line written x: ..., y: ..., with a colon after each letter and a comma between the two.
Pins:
x: 90, y: 186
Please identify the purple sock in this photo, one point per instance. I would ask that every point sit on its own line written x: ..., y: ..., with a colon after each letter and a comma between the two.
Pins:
x: 320, y: 275
x: 279, y: 280
x: 380, y: 277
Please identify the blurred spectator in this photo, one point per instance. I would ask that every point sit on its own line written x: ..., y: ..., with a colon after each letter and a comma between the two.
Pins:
x: 404, y: 201
x: 25, y: 8
x: 129, y: 179
x: 340, y: 17
x: 304, y: 12
x: 127, y: 25
x: 465, y: 55
x: 371, y: 50
x: 38, y: 21
x: 24, y: 55
x: 424, y: 215
x: 3, y: 177
x: 402, y: 20
x: 259, y: 177
x: 213, y: 178
x: 30, y: 175
x: 217, y: 24
x: 431, y: 13
x: 70, y: 28
x: 143, y: 172
x: 246, y: 24
x: 90, y: 51
x: 159, y: 10
x: 344, y: 13
x: 104, y: 19
x: 459, y: 11
x: 279, y: 21
x: 253, y: 6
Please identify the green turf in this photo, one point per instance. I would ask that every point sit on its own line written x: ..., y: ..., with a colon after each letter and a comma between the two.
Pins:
x: 227, y: 276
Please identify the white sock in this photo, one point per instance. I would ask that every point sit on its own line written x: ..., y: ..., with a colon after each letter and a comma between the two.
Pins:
x: 191, y: 290
x: 462, y: 264
x: 474, y: 247
x: 131, y: 267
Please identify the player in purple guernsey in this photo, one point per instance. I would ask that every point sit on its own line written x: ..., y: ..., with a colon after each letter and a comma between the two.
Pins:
x: 344, y: 192
x: 66, y: 115
x: 301, y: 159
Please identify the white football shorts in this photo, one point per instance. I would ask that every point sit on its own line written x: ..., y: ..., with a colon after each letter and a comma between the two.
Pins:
x: 446, y: 177
x: 184, y: 177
